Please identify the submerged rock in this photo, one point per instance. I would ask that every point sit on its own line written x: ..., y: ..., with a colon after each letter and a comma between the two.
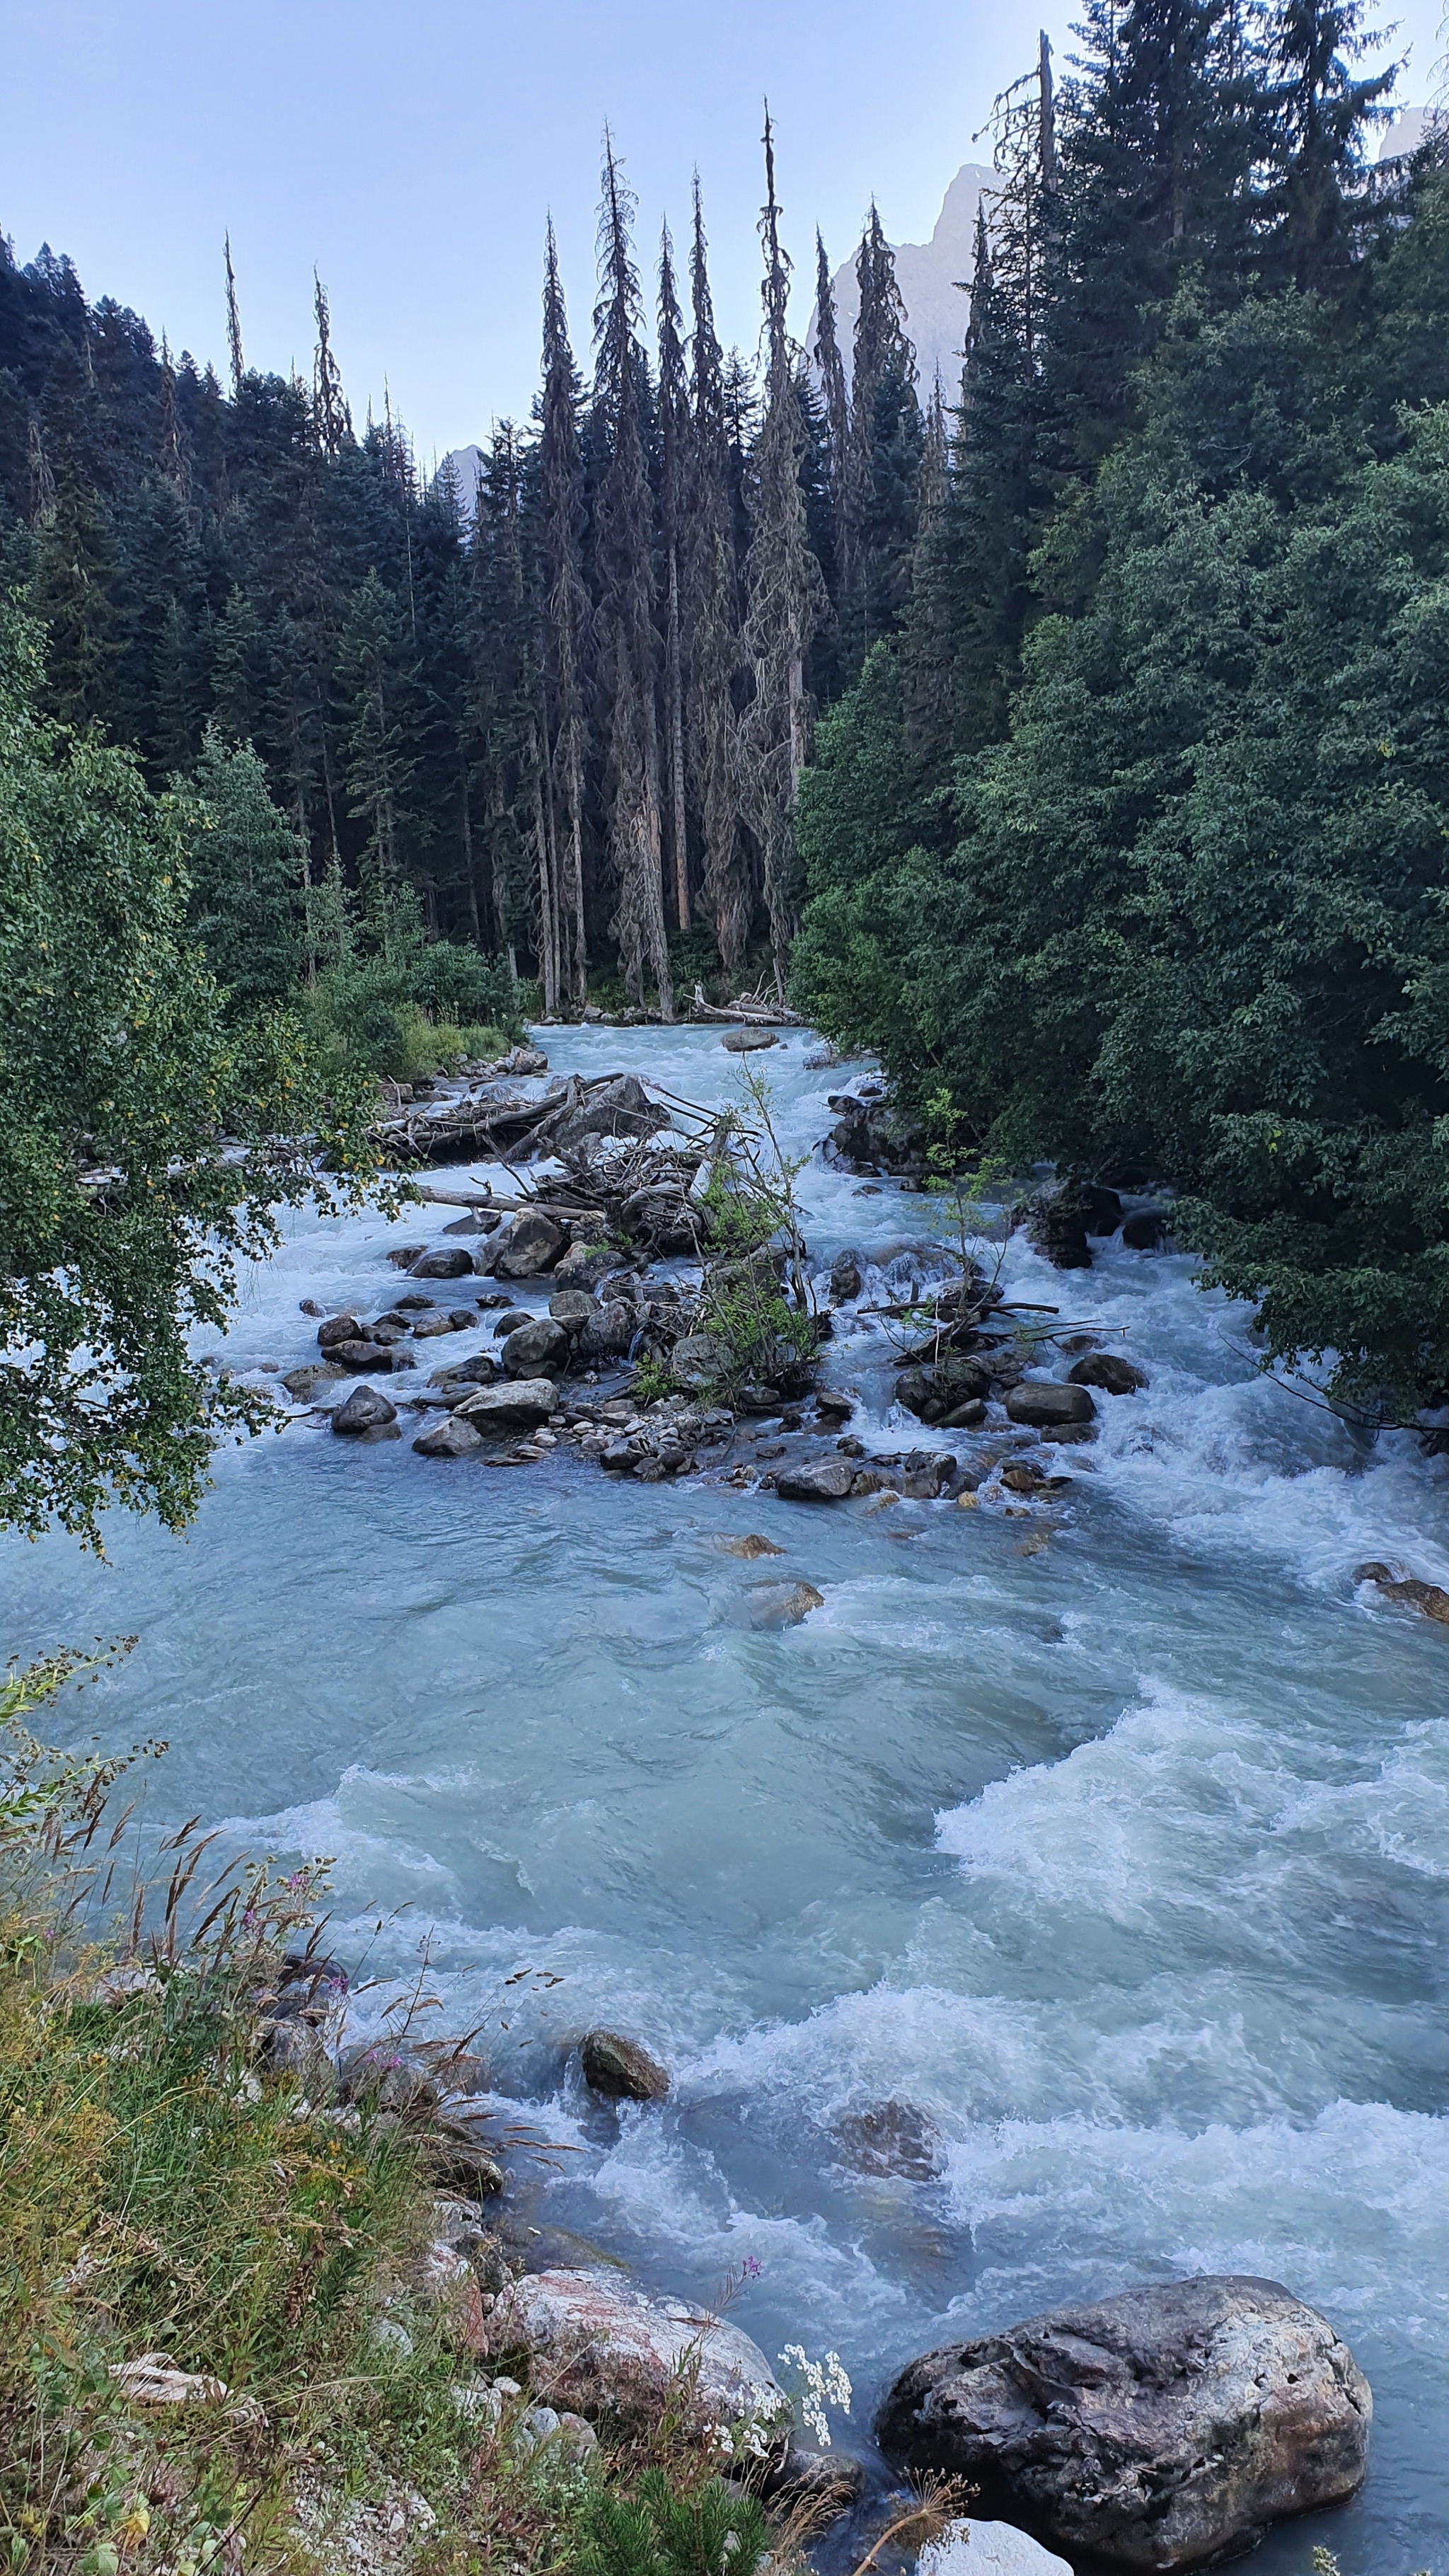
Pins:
x: 749, y: 1547
x: 1160, y: 2429
x: 602, y: 2345
x: 1041, y: 1403
x: 364, y: 1410
x: 1431, y: 1598
x: 890, y: 2138
x: 781, y: 1605
x: 620, y: 2069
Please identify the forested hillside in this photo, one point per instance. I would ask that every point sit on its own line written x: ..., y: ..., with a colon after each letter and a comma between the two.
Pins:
x: 570, y: 732
x: 1128, y: 850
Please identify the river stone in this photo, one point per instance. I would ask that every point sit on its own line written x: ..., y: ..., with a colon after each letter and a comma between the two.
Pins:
x: 608, y: 1333
x: 747, y: 1041
x: 890, y: 2138
x: 428, y: 1327
x: 362, y: 1358
x: 970, y: 2548
x: 1145, y: 1231
x: 1042, y: 1402
x: 536, y: 1346
x: 509, y: 1408
x: 751, y: 1546
x: 445, y: 1261
x: 618, y: 1108
x: 598, y: 2344
x: 338, y: 1328
x: 1415, y: 1594
x: 533, y: 1244
x: 1108, y: 1370
x: 585, y: 1264
x: 845, y: 1277
x: 620, y: 2068
x: 698, y: 1360
x: 364, y: 1410
x: 573, y: 1308
x: 450, y: 1438
x: 781, y: 1605
x: 512, y: 1320
x: 304, y: 1382
x: 478, y: 1221
x: 825, y: 1480
x: 1160, y: 2429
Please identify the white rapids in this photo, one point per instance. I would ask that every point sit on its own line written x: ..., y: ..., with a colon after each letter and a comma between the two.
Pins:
x: 1125, y: 1857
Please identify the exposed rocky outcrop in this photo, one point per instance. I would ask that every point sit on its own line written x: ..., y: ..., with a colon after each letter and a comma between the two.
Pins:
x: 1161, y: 2429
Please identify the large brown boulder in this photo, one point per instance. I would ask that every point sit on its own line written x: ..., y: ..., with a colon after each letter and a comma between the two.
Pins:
x: 1164, y: 2428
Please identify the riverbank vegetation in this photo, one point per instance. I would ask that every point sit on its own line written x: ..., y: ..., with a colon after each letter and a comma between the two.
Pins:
x: 223, y: 2345
x: 1129, y: 841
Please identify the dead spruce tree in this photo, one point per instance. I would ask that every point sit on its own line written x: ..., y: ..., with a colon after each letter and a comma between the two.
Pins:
x: 674, y: 443
x: 711, y: 575
x: 785, y: 601
x: 566, y: 614
x: 624, y: 616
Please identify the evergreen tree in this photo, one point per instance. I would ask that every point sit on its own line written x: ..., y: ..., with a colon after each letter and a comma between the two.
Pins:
x: 1314, y: 210
x: 712, y: 623
x: 836, y: 401
x: 246, y: 875
x: 624, y: 570
x: 373, y: 672
x: 883, y: 458
x: 674, y: 472
x: 565, y: 620
x: 785, y: 602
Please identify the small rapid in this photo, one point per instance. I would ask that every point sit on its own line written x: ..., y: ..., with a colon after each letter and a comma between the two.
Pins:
x: 1114, y: 1837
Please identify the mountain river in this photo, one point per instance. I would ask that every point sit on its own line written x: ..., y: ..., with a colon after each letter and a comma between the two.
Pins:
x: 1114, y: 1837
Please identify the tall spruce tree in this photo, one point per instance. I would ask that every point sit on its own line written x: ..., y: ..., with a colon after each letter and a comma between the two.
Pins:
x: 711, y: 580
x: 566, y: 611
x: 674, y: 468
x: 836, y: 400
x: 624, y: 625
x: 884, y: 454
x: 786, y: 601
x: 246, y: 874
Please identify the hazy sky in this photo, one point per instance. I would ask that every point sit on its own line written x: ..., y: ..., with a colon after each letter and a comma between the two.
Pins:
x: 412, y: 156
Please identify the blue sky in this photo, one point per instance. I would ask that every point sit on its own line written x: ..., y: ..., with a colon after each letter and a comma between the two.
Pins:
x: 412, y: 157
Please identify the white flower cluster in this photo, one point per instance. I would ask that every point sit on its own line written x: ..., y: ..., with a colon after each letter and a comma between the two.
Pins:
x: 822, y: 2383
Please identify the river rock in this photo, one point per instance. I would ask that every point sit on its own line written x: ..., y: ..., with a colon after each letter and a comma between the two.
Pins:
x: 429, y: 1327
x: 1146, y: 1231
x: 1164, y: 2428
x: 1431, y: 1598
x: 890, y: 2138
x: 451, y: 1438
x: 512, y: 1320
x: 364, y: 1410
x: 823, y: 1480
x: 573, y: 1308
x: 1057, y: 1222
x: 585, y: 1264
x: 532, y: 1245
x: 782, y: 1605
x: 818, y: 2485
x: 509, y: 1407
x: 338, y: 1328
x: 749, y: 1547
x: 478, y: 1221
x: 748, y: 1041
x: 599, y: 2344
x: 618, y: 1108
x: 620, y: 2068
x: 609, y: 1332
x: 536, y: 1346
x: 970, y: 2548
x: 846, y: 1278
x: 1043, y: 1402
x: 698, y: 1360
x: 1108, y: 1370
x: 363, y: 1358
x: 304, y: 1382
x: 445, y: 1261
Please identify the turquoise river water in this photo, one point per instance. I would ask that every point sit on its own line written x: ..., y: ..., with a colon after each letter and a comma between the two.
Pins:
x: 1125, y: 1857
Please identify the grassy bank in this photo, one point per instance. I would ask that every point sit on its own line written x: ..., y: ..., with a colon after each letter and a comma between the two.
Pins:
x: 220, y: 2347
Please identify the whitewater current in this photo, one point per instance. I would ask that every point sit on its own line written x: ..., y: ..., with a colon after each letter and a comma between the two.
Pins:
x: 1114, y: 1838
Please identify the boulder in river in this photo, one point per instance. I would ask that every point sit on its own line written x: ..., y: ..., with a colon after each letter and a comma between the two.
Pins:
x: 698, y: 1360
x: 532, y: 1245
x: 601, y: 2345
x: 537, y: 1345
x: 783, y: 1605
x: 428, y: 1327
x: 1042, y: 1403
x: 822, y: 1480
x: 609, y: 1332
x: 1431, y: 1598
x: 573, y: 1308
x: 618, y: 1108
x: 1108, y: 1370
x: 748, y: 1041
x: 450, y: 1438
x: 363, y: 1358
x: 338, y: 1328
x: 304, y: 1382
x: 510, y: 1407
x: 1144, y: 1231
x: 620, y: 2069
x: 751, y: 1546
x: 445, y: 1261
x: 1163, y: 2428
x: 364, y: 1410
x: 846, y: 1278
